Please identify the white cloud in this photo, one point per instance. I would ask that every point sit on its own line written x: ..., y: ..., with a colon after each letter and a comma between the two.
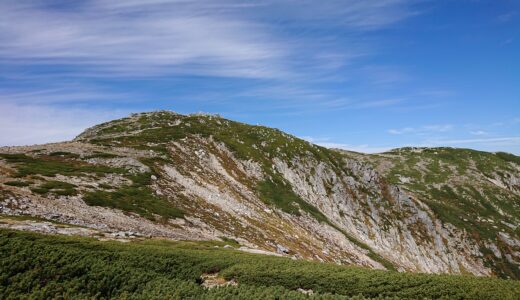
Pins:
x: 35, y: 124
x: 401, y: 131
x: 356, y: 148
x: 485, y: 144
x: 385, y: 75
x: 328, y: 143
x: 362, y: 15
x: 65, y: 94
x: 298, y: 99
x: 421, y: 130
x: 139, y: 40
x: 210, y: 38
x: 515, y: 140
x: 506, y: 17
x: 478, y: 132
x: 379, y: 103
x: 50, y: 45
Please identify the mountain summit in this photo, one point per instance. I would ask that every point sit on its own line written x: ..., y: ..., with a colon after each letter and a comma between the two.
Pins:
x: 203, y: 177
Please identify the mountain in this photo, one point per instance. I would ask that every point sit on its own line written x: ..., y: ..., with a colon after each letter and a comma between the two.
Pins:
x: 203, y: 177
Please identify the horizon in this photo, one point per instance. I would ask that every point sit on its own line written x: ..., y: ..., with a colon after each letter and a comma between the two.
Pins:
x: 364, y: 76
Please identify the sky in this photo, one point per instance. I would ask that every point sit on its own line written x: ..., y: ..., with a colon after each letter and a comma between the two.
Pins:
x: 367, y: 75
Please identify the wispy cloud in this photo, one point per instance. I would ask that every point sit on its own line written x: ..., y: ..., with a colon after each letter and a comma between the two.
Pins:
x: 35, y: 124
x: 478, y: 132
x: 378, y: 103
x: 124, y: 40
x: 421, y: 130
x: 356, y: 148
x: 506, y: 17
x: 54, y: 53
x: 328, y: 143
x: 385, y: 75
x: 514, y: 140
x: 488, y: 144
x: 210, y: 38
x: 507, y: 42
x: 66, y: 94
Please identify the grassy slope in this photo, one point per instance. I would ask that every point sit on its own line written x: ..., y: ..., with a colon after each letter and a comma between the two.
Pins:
x: 43, y: 267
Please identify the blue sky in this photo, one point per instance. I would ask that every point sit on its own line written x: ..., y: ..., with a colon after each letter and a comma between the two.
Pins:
x: 361, y: 75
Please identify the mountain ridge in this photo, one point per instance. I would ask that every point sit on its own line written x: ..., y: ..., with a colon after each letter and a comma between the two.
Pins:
x: 204, y: 177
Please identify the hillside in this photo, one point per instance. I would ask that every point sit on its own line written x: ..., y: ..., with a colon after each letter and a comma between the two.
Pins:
x: 202, y: 177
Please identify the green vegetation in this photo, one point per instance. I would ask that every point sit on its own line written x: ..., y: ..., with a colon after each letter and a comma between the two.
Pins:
x: 101, y: 155
x: 508, y: 157
x: 137, y: 198
x: 14, y: 157
x: 43, y: 267
x: 257, y: 143
x: 64, y: 154
x: 457, y: 185
x: 56, y: 187
x: 247, y: 142
x: 445, y: 178
x: 18, y: 183
x: 274, y: 192
x: 132, y: 199
x: 52, y: 165
x: 230, y: 241
x: 105, y: 186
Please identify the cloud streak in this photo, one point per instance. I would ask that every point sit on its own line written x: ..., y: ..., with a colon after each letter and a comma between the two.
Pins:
x: 125, y: 41
x: 36, y: 124
x: 514, y: 140
x: 60, y: 56
x: 328, y: 143
x: 421, y: 130
x: 209, y: 38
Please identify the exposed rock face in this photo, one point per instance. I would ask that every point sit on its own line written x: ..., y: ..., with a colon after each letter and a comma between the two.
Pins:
x: 268, y: 191
x: 416, y: 240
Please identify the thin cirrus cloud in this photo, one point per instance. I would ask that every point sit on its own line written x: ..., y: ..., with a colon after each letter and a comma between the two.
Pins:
x: 125, y: 41
x: 328, y: 143
x: 56, y: 54
x: 298, y: 99
x: 421, y: 130
x: 63, y: 95
x: 145, y: 38
x: 478, y: 132
x: 35, y: 124
x: 495, y: 141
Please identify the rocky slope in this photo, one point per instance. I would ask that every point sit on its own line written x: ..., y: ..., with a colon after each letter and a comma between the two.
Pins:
x: 200, y: 177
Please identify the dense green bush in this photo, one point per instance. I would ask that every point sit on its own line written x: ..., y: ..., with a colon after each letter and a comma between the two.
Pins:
x: 45, y: 267
x: 64, y: 154
x: 133, y: 199
x: 56, y: 187
x: 18, y: 183
x: 98, y: 154
x: 137, y: 198
x: 52, y: 165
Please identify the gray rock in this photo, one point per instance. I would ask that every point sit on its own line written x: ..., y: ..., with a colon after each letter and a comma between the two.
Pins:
x: 281, y: 249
